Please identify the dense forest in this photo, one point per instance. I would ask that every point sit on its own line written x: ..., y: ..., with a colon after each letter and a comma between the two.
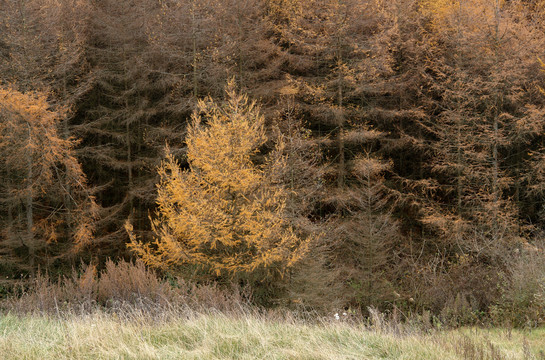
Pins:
x: 331, y: 153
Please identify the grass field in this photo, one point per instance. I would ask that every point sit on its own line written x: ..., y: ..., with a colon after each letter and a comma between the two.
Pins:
x: 217, y: 336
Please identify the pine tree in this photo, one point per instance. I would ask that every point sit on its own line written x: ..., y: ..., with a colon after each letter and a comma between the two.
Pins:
x: 222, y: 213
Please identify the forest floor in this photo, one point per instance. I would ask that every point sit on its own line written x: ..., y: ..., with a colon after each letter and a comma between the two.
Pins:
x: 219, y: 336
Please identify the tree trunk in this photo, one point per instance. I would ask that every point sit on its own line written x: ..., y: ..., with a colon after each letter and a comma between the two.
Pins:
x: 194, y: 44
x: 495, y: 165
x: 29, y: 210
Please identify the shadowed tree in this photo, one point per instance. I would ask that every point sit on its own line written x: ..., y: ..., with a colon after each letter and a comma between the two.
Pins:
x: 42, y: 181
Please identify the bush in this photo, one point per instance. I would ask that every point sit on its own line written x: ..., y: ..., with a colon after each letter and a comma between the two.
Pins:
x: 522, y: 300
x: 461, y: 310
x: 128, y: 282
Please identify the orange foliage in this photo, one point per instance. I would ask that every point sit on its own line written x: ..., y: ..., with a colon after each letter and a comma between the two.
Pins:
x: 41, y: 177
x: 223, y: 213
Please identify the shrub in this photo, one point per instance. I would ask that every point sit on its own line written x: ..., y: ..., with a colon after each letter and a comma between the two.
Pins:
x: 522, y: 300
x: 122, y: 285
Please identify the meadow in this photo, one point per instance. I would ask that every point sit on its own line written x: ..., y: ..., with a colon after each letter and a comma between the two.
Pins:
x: 216, y: 335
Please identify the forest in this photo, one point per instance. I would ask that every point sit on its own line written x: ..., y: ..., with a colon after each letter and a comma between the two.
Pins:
x: 325, y: 154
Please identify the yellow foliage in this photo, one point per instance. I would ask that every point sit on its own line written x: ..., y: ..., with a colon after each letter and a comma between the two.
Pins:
x: 457, y: 15
x: 27, y: 126
x: 438, y: 8
x: 43, y: 168
x: 224, y: 213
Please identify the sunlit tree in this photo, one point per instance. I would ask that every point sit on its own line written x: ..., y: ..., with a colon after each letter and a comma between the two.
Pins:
x: 222, y: 213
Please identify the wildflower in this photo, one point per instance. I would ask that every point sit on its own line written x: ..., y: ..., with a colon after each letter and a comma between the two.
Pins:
x: 337, y: 317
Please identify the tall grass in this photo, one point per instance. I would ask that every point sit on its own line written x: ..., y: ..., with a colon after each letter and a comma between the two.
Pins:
x: 120, y: 287
x: 135, y: 335
x: 126, y: 312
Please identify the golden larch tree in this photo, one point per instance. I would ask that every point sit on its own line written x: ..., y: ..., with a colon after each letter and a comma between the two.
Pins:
x: 224, y: 213
x: 41, y: 182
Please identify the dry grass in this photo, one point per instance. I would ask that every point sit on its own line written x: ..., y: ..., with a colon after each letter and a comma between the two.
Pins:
x: 127, y: 312
x: 251, y: 336
x: 122, y: 287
